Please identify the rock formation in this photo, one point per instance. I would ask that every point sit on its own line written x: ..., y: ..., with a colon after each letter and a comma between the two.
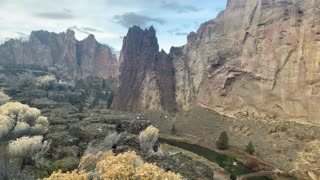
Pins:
x: 257, y: 58
x: 76, y: 59
x: 146, y: 81
x: 258, y: 61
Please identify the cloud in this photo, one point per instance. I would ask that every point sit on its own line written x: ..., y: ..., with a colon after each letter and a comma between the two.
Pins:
x: 129, y: 19
x: 22, y: 34
x: 91, y: 29
x: 76, y: 28
x: 177, y: 32
x: 181, y: 33
x: 67, y: 10
x: 85, y: 30
x: 178, y: 7
x: 60, y: 15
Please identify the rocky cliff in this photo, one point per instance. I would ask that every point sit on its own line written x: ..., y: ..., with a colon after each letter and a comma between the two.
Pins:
x: 146, y: 80
x: 257, y: 59
x: 76, y: 59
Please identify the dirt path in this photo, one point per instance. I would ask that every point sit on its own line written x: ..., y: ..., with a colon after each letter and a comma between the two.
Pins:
x: 229, y: 115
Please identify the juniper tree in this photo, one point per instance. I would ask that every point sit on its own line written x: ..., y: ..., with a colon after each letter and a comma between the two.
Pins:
x: 250, y: 148
x: 223, y: 141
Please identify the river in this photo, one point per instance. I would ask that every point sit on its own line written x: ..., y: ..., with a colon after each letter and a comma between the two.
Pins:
x: 230, y: 165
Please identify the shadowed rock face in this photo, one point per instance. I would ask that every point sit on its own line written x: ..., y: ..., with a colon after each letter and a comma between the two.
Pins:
x: 76, y: 59
x: 146, y: 80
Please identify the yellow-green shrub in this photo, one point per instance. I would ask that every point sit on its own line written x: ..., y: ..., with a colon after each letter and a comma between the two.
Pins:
x: 74, y: 175
x: 123, y: 166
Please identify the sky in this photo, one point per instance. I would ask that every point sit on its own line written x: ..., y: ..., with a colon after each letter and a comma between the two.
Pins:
x: 108, y: 20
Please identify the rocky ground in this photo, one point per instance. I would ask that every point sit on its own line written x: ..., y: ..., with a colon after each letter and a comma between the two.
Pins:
x: 76, y: 127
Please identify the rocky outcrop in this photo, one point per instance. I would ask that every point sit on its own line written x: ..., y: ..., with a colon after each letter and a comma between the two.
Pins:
x: 75, y: 59
x: 146, y: 80
x: 256, y: 56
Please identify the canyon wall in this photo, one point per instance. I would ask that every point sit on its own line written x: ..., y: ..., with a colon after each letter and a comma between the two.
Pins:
x: 146, y: 80
x: 257, y: 59
x: 75, y: 59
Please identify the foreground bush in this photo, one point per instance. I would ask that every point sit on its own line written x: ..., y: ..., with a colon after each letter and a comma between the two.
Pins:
x: 123, y: 166
x: 20, y: 127
x: 17, y: 120
x: 32, y: 148
x: 148, y: 138
x: 68, y: 176
x: 25, y: 146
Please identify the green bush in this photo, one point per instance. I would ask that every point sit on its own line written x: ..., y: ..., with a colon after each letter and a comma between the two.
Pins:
x: 65, y: 164
x: 250, y: 148
x: 223, y: 141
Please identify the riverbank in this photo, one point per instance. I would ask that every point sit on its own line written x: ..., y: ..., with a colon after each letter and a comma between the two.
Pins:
x: 219, y: 173
x: 242, y: 164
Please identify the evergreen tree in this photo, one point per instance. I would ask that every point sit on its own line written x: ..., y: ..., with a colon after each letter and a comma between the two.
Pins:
x: 173, y: 129
x: 250, y: 148
x: 95, y: 101
x: 110, y: 99
x: 223, y: 141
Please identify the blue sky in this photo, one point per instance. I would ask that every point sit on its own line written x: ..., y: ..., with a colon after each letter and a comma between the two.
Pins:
x: 108, y: 20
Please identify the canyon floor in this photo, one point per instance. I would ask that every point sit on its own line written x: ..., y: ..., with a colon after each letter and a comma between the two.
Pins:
x: 276, y: 142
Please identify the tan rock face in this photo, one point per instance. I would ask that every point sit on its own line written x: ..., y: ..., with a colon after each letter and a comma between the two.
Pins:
x: 258, y: 54
x: 76, y: 59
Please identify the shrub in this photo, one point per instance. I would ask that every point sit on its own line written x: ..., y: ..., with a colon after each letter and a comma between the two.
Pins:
x: 4, y: 161
x: 74, y: 175
x: 5, y: 125
x: 18, y: 120
x: 123, y: 166
x: 3, y: 98
x: 65, y: 164
x: 26, y: 80
x: 151, y: 171
x: 25, y: 146
x: 46, y: 82
x: 148, y: 138
x: 250, y: 148
x: 223, y: 141
x: 63, y: 85
x: 29, y: 148
x: 3, y: 77
x: 173, y: 129
x: 130, y: 166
